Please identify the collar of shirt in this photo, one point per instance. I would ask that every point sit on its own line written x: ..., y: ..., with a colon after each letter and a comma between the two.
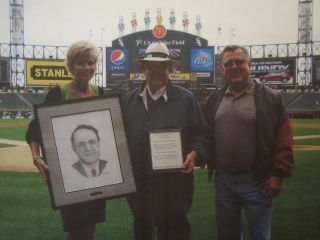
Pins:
x: 248, y: 90
x: 159, y: 93
x: 88, y: 170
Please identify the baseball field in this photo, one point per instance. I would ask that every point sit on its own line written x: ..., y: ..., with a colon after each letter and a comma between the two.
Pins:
x: 26, y: 212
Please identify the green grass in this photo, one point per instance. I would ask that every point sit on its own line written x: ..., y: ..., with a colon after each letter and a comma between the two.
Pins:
x: 14, y: 132
x: 26, y: 212
x: 28, y: 215
x: 305, y: 120
x: 21, y: 120
x: 297, y: 210
x: 306, y: 131
x: 311, y: 141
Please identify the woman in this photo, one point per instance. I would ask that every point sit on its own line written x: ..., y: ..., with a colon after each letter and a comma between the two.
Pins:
x: 79, y: 219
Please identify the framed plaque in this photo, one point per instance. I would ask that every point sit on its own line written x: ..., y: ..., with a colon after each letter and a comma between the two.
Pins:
x: 84, y: 144
x: 166, y: 150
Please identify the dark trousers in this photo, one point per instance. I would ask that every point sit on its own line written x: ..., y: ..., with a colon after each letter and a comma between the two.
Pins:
x: 160, y: 206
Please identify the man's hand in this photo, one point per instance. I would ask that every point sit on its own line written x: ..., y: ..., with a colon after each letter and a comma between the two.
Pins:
x: 190, y: 162
x: 272, y: 186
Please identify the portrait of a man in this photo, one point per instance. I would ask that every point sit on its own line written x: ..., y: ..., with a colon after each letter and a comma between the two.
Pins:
x: 85, y: 142
x: 86, y: 150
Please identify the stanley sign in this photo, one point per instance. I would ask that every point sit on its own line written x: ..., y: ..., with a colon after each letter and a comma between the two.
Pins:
x: 46, y: 72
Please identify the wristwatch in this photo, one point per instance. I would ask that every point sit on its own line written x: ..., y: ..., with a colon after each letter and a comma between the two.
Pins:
x: 35, y: 160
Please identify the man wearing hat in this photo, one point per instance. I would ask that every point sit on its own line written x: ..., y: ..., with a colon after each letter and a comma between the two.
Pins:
x: 163, y: 198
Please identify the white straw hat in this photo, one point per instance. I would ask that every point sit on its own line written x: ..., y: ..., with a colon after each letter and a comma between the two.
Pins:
x: 157, y: 52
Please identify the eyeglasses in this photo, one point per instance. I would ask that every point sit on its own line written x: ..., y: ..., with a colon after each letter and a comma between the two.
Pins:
x: 237, y: 62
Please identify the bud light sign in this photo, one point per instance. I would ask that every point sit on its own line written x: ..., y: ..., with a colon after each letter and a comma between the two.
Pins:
x: 202, y: 59
x: 117, y: 60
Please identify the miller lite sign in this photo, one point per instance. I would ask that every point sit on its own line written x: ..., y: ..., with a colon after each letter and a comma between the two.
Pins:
x: 117, y: 60
x: 202, y: 59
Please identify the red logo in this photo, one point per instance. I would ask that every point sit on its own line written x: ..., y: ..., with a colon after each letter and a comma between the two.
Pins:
x: 118, y: 57
x: 159, y: 31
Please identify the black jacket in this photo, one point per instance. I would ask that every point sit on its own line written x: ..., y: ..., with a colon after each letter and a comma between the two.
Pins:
x: 181, y: 111
x: 274, y: 154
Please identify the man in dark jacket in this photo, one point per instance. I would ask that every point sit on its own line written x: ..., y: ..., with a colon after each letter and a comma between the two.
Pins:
x: 163, y: 198
x: 252, y: 151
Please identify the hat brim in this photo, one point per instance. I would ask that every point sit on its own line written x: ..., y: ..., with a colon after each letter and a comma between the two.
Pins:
x: 158, y: 59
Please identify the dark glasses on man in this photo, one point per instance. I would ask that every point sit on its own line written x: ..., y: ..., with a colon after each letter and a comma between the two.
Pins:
x: 230, y: 63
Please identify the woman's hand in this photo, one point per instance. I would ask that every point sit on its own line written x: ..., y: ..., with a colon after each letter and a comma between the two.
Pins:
x: 42, y: 168
x: 38, y: 161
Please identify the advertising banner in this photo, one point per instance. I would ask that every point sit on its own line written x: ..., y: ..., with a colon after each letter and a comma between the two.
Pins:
x: 178, y: 43
x: 172, y: 76
x: 4, y: 72
x: 316, y: 70
x: 274, y: 70
x: 117, y: 60
x: 46, y: 72
x: 202, y: 59
x: 117, y: 64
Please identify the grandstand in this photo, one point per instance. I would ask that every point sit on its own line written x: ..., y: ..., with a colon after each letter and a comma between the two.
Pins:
x: 18, y: 105
x: 305, y: 105
x: 13, y: 102
x: 288, y: 98
x: 33, y: 98
x: 298, y: 104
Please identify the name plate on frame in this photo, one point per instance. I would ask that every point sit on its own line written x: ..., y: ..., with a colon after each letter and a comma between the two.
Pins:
x: 166, y: 150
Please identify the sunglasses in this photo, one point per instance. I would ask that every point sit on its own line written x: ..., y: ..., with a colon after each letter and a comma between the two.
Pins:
x: 230, y: 63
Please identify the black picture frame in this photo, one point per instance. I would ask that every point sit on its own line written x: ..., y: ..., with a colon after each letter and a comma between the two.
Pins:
x: 68, y: 181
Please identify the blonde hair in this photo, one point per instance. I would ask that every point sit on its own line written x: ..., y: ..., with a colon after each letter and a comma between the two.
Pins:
x: 76, y: 50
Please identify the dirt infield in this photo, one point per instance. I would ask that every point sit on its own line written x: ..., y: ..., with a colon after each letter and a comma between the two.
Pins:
x: 306, y: 125
x: 306, y: 148
x: 19, y: 159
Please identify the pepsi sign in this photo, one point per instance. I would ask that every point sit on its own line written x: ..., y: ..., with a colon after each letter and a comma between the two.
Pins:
x: 117, y: 60
x: 202, y: 59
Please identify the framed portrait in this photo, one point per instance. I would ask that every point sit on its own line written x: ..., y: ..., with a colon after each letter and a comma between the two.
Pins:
x: 84, y: 144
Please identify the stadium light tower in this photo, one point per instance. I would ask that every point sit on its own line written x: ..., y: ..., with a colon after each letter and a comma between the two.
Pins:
x: 305, y: 11
x: 16, y: 42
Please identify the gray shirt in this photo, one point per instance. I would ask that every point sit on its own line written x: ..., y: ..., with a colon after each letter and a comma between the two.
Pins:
x: 235, y: 130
